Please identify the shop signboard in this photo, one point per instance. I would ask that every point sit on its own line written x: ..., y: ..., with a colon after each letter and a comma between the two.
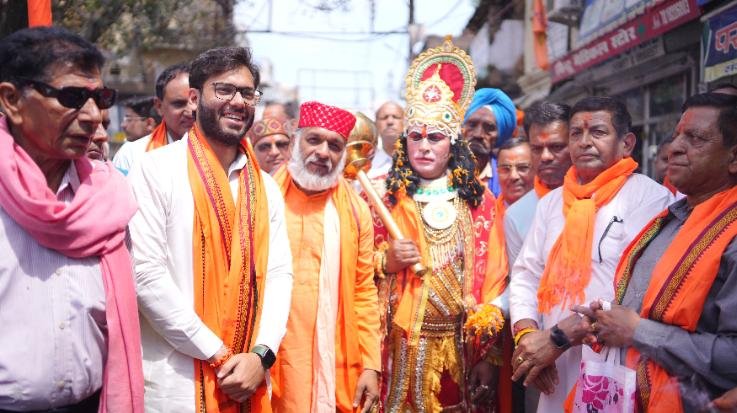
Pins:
x: 720, y: 45
x: 654, y: 22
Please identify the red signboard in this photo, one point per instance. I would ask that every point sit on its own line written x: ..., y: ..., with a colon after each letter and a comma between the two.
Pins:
x: 656, y: 21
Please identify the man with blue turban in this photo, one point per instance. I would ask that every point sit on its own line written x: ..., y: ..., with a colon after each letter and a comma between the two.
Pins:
x: 489, y: 122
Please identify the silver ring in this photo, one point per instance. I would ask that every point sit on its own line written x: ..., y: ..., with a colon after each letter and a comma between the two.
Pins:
x: 605, y: 305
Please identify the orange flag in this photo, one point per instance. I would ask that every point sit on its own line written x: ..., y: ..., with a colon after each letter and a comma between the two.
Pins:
x: 39, y: 13
x: 540, y: 34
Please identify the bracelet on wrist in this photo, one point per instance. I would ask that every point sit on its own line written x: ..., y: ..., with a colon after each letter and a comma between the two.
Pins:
x: 522, y: 333
x: 222, y: 359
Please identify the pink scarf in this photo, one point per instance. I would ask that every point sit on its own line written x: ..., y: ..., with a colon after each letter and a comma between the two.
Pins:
x: 93, y: 224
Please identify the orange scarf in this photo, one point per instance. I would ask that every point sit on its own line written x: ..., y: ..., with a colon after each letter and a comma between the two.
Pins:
x: 680, y: 283
x: 159, y: 137
x: 230, y: 249
x: 487, y: 285
x: 490, y: 275
x: 355, y: 347
x: 540, y: 188
x: 568, y: 269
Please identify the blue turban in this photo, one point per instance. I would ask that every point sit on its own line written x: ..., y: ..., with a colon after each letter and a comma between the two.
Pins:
x: 503, y: 108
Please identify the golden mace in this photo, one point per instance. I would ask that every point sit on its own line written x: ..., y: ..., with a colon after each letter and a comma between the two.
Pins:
x: 356, y: 164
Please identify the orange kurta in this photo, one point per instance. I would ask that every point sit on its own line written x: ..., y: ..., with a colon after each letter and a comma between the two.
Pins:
x: 357, y: 328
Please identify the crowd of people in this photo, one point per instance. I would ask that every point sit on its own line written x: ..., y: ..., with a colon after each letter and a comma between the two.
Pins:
x: 483, y: 259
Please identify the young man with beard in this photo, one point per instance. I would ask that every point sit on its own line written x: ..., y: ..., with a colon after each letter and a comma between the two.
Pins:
x: 329, y: 360
x: 210, y: 231
x: 177, y: 117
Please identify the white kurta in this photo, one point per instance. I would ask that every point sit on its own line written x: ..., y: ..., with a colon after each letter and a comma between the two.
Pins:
x: 131, y: 153
x: 639, y: 200
x: 171, y: 332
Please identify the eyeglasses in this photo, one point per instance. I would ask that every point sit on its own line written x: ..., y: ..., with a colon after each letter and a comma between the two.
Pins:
x: 132, y: 118
x: 522, y: 168
x: 226, y: 91
x: 74, y: 97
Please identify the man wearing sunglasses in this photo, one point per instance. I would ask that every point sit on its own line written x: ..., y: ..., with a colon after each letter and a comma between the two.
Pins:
x: 70, y: 334
x: 177, y: 117
x: 210, y: 231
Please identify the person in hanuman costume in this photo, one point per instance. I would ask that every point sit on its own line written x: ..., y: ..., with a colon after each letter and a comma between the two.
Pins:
x: 443, y: 345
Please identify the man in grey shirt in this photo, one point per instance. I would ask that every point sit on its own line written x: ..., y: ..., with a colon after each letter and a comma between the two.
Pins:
x: 677, y: 283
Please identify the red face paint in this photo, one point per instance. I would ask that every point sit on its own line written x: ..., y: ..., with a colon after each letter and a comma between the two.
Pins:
x: 586, y: 118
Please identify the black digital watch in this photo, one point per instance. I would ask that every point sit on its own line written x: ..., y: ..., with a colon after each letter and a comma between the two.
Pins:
x: 268, y: 358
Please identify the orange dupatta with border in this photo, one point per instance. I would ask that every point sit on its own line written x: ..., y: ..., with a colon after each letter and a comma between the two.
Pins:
x: 568, y: 268
x: 679, y: 285
x: 158, y: 137
x: 230, y: 250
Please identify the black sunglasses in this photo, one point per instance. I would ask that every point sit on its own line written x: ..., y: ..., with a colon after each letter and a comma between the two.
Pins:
x: 75, y: 97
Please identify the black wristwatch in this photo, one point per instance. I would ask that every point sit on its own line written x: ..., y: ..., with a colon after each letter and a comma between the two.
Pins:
x: 267, y: 356
x: 559, y: 338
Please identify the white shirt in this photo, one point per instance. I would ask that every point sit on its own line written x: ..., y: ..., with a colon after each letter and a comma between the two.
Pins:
x: 171, y: 332
x: 381, y: 163
x: 517, y: 220
x: 53, y: 342
x: 639, y: 200
x: 130, y: 153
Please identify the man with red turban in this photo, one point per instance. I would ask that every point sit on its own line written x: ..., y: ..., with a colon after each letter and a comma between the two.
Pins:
x: 329, y: 359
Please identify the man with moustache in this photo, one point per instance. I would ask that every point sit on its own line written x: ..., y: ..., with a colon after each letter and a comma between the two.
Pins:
x: 676, y: 285
x: 489, y: 122
x: 70, y: 336
x: 516, y: 174
x: 270, y: 140
x: 577, y: 237
x: 329, y: 360
x: 390, y: 124
x: 546, y: 127
x: 177, y: 117
x: 210, y: 232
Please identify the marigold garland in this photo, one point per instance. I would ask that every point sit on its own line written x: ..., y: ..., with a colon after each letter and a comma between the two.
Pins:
x: 488, y: 320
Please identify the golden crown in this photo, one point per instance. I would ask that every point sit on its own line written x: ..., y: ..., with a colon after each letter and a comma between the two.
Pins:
x: 440, y: 85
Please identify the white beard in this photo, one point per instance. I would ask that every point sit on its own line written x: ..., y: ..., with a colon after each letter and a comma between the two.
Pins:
x: 308, y: 180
